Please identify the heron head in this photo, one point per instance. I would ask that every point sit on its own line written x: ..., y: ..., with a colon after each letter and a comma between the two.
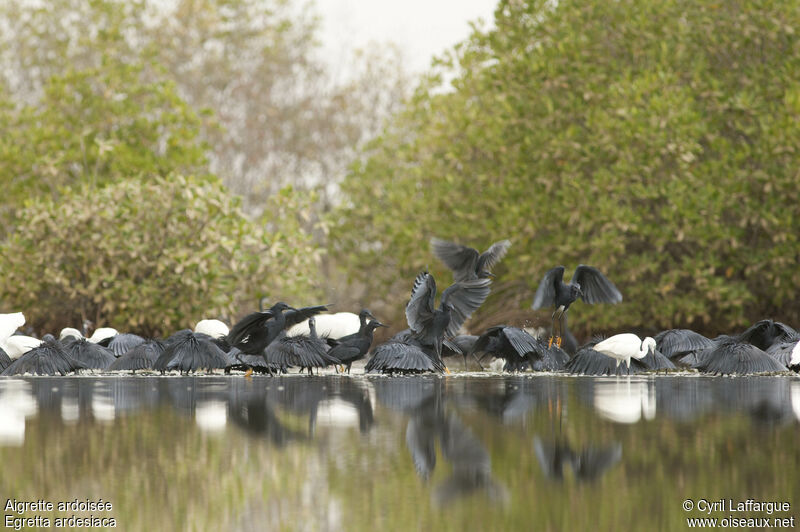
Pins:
x: 648, y: 347
x: 280, y: 306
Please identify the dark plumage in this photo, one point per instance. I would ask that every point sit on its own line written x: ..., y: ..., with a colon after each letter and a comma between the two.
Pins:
x: 465, y: 262
x: 255, y: 331
x: 675, y: 343
x: 92, y: 356
x: 5, y: 360
x: 299, y: 351
x: 141, y: 357
x: 354, y: 347
x: 402, y: 357
x: 730, y: 356
x: 782, y: 352
x: 587, y: 361
x: 188, y: 351
x: 588, y: 464
x: 460, y: 345
x: 430, y: 326
x: 764, y: 333
x: 519, y: 349
x: 587, y: 283
x: 654, y: 360
x: 124, y: 342
x: 47, y: 359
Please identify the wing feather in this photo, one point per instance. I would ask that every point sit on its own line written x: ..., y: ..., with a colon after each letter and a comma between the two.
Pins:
x: 595, y: 286
x: 465, y: 297
x: 546, y: 293
x: 419, y: 310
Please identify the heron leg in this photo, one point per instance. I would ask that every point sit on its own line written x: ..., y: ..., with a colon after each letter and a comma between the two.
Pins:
x: 478, y: 360
x: 552, y: 329
x: 558, y: 315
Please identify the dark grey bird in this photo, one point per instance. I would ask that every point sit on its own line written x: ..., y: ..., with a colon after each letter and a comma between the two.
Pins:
x: 783, y: 351
x: 460, y: 345
x: 765, y: 333
x: 124, y: 342
x: 255, y: 331
x: 587, y: 283
x: 519, y: 349
x: 140, y: 357
x: 465, y: 262
x: 49, y: 358
x: 5, y: 360
x: 404, y: 357
x: 429, y: 325
x: 588, y: 464
x: 91, y: 355
x: 677, y: 343
x: 188, y: 351
x: 354, y: 347
x: 731, y: 356
x: 305, y: 352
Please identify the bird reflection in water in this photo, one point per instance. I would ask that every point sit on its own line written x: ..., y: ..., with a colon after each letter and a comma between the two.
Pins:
x: 339, y: 402
x: 431, y: 420
x: 587, y: 464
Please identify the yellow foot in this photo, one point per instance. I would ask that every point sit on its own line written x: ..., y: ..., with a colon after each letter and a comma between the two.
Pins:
x: 550, y: 343
x: 558, y: 341
x: 341, y: 369
x: 446, y: 370
x: 248, y: 372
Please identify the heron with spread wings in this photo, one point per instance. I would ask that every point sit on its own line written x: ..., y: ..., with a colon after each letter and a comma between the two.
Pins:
x: 587, y: 283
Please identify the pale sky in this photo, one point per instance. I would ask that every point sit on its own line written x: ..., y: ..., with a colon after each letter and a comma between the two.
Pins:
x: 422, y: 28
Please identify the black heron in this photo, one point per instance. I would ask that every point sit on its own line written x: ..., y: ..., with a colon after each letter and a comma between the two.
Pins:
x: 587, y: 283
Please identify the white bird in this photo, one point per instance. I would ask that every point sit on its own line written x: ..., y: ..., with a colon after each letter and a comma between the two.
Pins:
x: 15, y: 346
x: 329, y: 325
x: 10, y: 323
x: 18, y: 345
x: 213, y: 328
x: 626, y: 346
x: 625, y: 401
x: 103, y: 333
x: 795, y: 360
x: 66, y: 332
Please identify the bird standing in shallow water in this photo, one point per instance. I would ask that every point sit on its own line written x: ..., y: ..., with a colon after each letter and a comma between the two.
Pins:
x: 587, y: 283
x: 626, y: 346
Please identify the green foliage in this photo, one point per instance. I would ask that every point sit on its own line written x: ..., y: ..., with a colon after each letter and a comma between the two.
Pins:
x: 95, y: 126
x: 278, y: 115
x: 656, y: 140
x: 151, y: 255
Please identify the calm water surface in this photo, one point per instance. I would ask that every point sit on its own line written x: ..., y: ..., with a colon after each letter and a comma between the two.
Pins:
x: 427, y: 453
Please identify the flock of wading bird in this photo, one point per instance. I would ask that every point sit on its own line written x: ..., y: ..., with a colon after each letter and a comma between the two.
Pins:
x: 281, y: 337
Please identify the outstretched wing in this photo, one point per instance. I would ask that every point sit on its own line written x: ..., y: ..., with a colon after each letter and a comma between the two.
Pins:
x: 419, y: 310
x: 595, y: 287
x: 522, y: 342
x: 247, y: 325
x: 546, y: 293
x: 293, y: 317
x: 465, y: 297
x: 462, y: 260
x: 493, y: 255
x: 488, y: 335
